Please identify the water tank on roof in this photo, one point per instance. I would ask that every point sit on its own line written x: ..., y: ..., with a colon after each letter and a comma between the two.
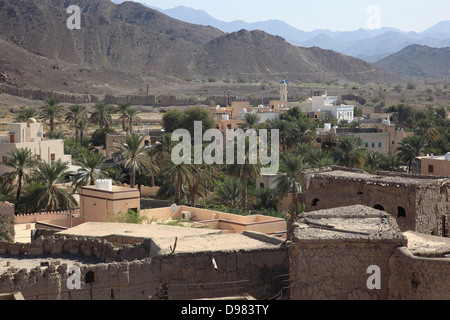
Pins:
x: 447, y: 156
x: 103, y: 185
x: 244, y: 110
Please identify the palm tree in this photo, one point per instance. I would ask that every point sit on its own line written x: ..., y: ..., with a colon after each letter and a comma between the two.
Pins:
x: 6, y: 192
x: 134, y: 152
x: 25, y: 114
x: 132, y: 116
x: 163, y: 149
x: 116, y: 173
x: 244, y: 171
x: 102, y: 115
x: 6, y: 227
x: 51, y: 111
x: 45, y: 193
x: 267, y: 198
x: 178, y: 176
x: 303, y: 132
x: 229, y: 192
x: 21, y: 161
x: 410, y: 148
x: 373, y: 161
x: 292, y: 165
x: 349, y: 152
x: 122, y: 109
x: 92, y: 168
x: 76, y: 114
x: 151, y: 165
x: 251, y: 120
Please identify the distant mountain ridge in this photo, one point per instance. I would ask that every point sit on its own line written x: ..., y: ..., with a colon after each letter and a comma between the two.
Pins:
x: 142, y: 43
x: 419, y: 61
x: 369, y: 45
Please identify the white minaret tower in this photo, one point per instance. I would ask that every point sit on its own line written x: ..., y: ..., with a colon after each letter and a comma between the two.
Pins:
x: 283, y: 91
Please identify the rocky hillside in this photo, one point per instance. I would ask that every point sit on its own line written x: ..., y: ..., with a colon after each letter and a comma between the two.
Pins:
x: 419, y: 61
x: 128, y: 43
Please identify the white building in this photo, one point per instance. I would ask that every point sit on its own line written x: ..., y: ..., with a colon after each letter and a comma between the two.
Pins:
x: 326, y: 103
x: 30, y: 135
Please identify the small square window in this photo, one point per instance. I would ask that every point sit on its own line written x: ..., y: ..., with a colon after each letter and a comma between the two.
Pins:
x: 430, y: 169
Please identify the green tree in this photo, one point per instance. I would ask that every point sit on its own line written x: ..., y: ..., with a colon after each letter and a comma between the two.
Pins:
x: 132, y: 116
x: 122, y: 109
x: 410, y: 148
x: 46, y: 193
x: 292, y: 165
x: 76, y: 114
x: 245, y: 171
x: 349, y: 152
x: 251, y: 121
x: 51, y: 111
x: 229, y: 192
x: 172, y: 120
x: 373, y: 161
x: 134, y: 152
x: 102, y: 115
x: 20, y: 161
x: 92, y: 168
x: 25, y: 114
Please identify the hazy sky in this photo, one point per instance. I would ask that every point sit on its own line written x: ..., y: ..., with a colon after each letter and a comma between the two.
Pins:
x: 336, y: 15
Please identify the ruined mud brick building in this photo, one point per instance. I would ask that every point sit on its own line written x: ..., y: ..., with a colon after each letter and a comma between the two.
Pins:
x: 326, y: 256
x: 334, y: 252
x: 133, y: 262
x: 418, y: 203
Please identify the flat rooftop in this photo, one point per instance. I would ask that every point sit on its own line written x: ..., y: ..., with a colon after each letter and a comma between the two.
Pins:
x: 103, y: 229
x: 188, y: 239
x: 379, y: 178
x: 347, y: 223
x: 424, y: 245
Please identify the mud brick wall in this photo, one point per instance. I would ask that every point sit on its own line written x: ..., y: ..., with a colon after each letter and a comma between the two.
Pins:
x: 418, y: 278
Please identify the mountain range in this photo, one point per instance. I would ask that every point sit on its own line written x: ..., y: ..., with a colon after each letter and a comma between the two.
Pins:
x: 369, y: 45
x: 128, y: 43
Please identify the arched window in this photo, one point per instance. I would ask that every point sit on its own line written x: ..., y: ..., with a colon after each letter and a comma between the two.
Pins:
x: 401, y: 212
x: 378, y: 207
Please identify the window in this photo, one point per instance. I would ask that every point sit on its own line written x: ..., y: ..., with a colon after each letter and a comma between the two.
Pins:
x: 52, y: 157
x: 4, y: 158
x: 367, y: 144
x: 315, y: 202
x: 261, y: 185
x: 90, y: 277
x: 38, y: 157
x: 380, y: 144
x: 430, y: 169
x: 378, y: 207
x: 401, y: 212
x: 373, y: 144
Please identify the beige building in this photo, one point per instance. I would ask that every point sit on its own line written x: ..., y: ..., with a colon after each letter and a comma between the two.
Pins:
x: 30, y: 135
x: 103, y: 199
x: 433, y: 165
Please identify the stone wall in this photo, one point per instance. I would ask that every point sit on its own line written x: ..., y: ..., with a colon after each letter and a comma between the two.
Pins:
x: 418, y: 278
x: 44, y: 216
x: 338, y: 271
x: 36, y: 94
x: 128, y: 273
